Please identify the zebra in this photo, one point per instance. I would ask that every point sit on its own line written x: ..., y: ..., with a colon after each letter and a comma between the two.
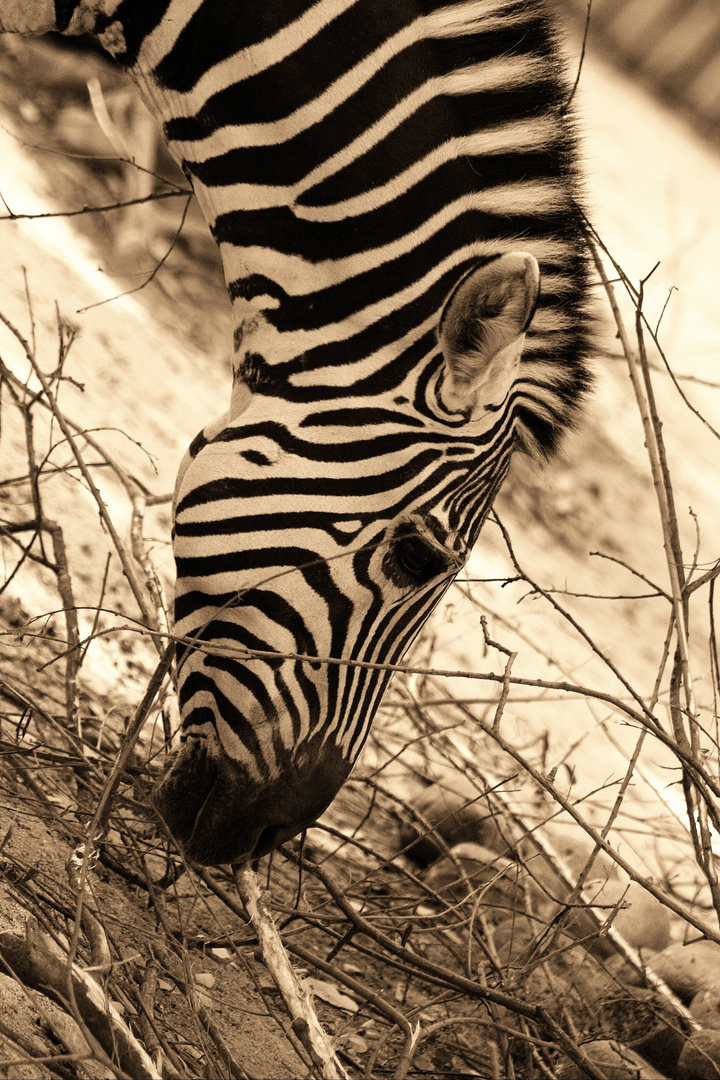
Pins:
x: 389, y: 182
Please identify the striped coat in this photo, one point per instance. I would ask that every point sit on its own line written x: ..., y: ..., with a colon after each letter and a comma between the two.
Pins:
x: 393, y: 188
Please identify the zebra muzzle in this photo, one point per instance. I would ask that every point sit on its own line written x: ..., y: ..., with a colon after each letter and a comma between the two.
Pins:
x: 217, y: 815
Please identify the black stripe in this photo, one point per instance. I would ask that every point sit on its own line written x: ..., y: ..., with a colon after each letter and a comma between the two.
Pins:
x: 279, y: 229
x: 358, y: 449
x: 235, y: 488
x: 275, y: 93
x: 197, y: 682
x: 359, y: 418
x: 272, y: 607
x: 278, y: 91
x: 313, y: 310
x: 219, y: 30
x: 432, y: 125
x: 289, y: 162
x: 244, y: 524
x: 379, y: 445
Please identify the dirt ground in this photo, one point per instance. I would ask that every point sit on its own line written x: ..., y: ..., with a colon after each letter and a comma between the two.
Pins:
x: 412, y: 974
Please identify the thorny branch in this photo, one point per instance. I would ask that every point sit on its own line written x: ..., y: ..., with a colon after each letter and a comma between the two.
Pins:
x: 683, y: 707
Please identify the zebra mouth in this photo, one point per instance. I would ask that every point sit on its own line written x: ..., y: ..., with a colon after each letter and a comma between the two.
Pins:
x: 217, y: 816
x: 270, y: 838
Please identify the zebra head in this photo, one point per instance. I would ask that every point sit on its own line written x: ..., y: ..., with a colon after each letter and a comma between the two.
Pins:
x: 313, y: 537
x: 372, y: 173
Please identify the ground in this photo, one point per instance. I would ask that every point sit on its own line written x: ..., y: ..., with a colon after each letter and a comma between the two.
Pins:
x: 144, y: 366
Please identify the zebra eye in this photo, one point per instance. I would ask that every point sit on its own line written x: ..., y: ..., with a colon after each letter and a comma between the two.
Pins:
x: 417, y: 558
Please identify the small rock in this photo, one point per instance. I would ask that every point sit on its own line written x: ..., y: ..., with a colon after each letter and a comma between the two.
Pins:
x: 642, y: 920
x: 644, y: 1022
x: 456, y: 815
x: 688, y: 968
x: 514, y: 939
x: 700, y: 1059
x: 478, y: 869
x: 617, y: 1062
x: 222, y: 954
x: 645, y: 922
x: 204, y: 978
x: 573, y: 849
x: 355, y: 1044
x: 705, y: 1006
x: 328, y: 992
x: 571, y: 976
x: 617, y: 966
x: 157, y: 866
x: 29, y: 111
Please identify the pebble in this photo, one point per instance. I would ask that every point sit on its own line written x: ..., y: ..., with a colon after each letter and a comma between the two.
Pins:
x: 457, y: 815
x: 705, y: 1006
x: 617, y: 1062
x: 571, y: 976
x: 514, y: 939
x: 688, y: 969
x: 573, y: 848
x: 700, y: 1059
x: 355, y: 1044
x: 617, y: 966
x: 499, y: 882
x: 222, y: 954
x: 645, y: 923
x: 645, y: 1023
x: 642, y: 921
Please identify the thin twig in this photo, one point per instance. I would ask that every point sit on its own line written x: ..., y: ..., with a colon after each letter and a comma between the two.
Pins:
x: 297, y: 1001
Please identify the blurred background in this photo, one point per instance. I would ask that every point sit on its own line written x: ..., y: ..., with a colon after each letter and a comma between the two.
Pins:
x: 672, y: 47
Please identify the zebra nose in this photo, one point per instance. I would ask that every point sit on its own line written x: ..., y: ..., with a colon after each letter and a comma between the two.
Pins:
x: 217, y: 815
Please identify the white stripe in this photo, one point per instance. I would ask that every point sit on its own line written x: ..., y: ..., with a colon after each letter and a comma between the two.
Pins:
x: 260, y: 56
x: 549, y: 320
x: 541, y: 378
x: 277, y: 347
x: 162, y: 39
x: 494, y: 74
x: 520, y: 136
x: 503, y: 73
x: 298, y: 277
x: 548, y: 341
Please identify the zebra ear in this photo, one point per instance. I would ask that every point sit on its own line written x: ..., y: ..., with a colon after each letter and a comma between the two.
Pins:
x: 482, y: 330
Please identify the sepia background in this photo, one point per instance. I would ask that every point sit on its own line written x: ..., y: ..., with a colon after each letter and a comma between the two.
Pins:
x: 567, y: 864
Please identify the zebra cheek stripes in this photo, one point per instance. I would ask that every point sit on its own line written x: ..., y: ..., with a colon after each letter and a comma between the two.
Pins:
x: 387, y: 180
